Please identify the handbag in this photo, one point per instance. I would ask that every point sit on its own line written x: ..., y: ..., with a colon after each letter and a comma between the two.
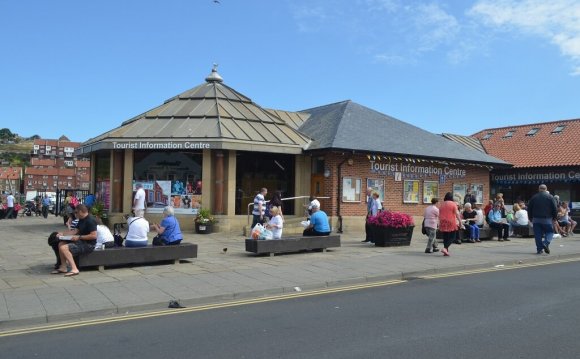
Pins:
x: 158, y: 240
x: 423, y: 229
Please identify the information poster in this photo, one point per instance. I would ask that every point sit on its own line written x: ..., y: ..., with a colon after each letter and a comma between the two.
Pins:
x: 410, y: 191
x: 477, y: 190
x: 378, y: 185
x: 351, y: 189
x: 103, y: 192
x: 430, y: 191
x: 459, y: 191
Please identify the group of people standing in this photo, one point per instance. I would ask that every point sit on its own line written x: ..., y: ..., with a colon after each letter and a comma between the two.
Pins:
x: 543, y: 211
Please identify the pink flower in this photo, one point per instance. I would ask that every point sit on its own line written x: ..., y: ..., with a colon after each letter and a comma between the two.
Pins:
x: 391, y: 219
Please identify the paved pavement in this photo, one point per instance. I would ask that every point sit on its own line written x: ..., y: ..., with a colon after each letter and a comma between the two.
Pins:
x: 30, y: 295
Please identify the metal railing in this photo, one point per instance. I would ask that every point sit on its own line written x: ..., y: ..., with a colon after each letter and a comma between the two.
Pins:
x: 251, y: 204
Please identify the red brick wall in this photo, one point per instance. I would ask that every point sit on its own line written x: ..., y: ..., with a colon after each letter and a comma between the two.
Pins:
x: 393, y: 200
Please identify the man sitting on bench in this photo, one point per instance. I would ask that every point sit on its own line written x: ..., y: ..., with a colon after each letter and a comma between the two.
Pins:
x: 318, y: 223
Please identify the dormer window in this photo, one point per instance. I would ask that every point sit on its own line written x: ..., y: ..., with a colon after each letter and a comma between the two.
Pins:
x: 487, y: 136
x: 533, y: 131
x: 509, y: 134
x: 559, y: 129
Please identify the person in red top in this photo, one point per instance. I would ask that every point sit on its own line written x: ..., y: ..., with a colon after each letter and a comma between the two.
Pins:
x: 488, y: 209
x: 449, y: 219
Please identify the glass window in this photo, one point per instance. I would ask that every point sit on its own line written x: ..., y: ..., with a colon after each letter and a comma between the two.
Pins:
x: 559, y: 129
x: 487, y: 136
x: 509, y: 134
x: 169, y: 175
x: 533, y: 131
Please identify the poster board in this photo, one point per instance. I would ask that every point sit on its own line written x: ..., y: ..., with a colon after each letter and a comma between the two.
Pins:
x: 351, y: 189
x: 430, y: 191
x: 378, y: 185
x: 477, y: 190
x: 410, y: 191
x: 459, y: 191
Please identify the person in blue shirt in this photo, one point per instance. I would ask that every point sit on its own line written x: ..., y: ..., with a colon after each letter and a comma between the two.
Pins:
x: 319, y: 225
x: 89, y: 201
x: 45, y: 205
x: 169, y: 230
x: 497, y: 222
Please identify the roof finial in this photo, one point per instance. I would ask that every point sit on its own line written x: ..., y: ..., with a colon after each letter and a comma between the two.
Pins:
x: 214, y: 76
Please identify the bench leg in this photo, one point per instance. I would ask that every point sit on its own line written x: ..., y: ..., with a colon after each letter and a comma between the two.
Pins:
x: 323, y: 250
x: 271, y: 254
x: 175, y: 262
x: 101, y: 268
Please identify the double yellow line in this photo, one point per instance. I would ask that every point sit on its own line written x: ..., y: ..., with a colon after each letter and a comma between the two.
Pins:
x: 166, y: 312
x: 161, y: 313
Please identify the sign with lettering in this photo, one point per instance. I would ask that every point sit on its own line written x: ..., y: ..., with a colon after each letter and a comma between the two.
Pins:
x: 529, y: 177
x: 412, y: 171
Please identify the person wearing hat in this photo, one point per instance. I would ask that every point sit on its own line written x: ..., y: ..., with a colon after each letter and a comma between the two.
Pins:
x: 318, y: 223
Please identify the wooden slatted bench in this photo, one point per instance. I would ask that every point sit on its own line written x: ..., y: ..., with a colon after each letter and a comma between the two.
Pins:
x: 484, y: 233
x: 136, y: 255
x: 292, y: 244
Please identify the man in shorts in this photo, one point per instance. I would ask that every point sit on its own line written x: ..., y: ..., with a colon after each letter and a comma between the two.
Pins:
x: 84, y: 238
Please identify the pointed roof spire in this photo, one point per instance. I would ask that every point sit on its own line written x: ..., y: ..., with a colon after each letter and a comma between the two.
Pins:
x: 214, y: 76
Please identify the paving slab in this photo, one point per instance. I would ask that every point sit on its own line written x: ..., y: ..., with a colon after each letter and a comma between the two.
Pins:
x: 29, y: 295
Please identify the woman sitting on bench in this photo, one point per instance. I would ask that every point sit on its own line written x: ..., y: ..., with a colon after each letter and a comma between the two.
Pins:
x: 169, y: 230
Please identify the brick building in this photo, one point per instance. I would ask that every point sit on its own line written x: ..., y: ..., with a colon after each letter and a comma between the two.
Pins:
x: 544, y: 152
x: 214, y: 135
x: 53, y: 166
x: 10, y: 179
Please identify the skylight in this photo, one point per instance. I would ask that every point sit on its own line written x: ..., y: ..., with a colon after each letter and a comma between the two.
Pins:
x: 533, y: 131
x: 487, y: 136
x: 509, y: 134
x: 559, y: 129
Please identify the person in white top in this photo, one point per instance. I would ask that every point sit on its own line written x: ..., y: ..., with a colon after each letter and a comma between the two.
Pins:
x: 104, y: 236
x: 313, y: 203
x: 479, y: 217
x: 276, y: 223
x: 139, y: 201
x: 520, y: 218
x: 10, y: 205
x: 137, y: 232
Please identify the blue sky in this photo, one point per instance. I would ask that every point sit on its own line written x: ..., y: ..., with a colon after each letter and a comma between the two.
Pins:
x: 81, y: 68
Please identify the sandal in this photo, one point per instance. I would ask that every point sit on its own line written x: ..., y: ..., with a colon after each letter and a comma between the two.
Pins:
x: 70, y: 274
x: 58, y: 271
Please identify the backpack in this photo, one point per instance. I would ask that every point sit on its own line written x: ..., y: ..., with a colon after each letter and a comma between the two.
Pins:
x: 74, y: 202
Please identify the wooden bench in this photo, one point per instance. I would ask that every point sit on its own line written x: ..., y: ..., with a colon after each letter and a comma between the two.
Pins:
x: 292, y: 244
x: 484, y: 233
x: 135, y: 255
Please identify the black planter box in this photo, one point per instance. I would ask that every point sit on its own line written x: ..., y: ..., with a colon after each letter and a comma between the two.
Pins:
x: 392, y: 237
x: 203, y: 228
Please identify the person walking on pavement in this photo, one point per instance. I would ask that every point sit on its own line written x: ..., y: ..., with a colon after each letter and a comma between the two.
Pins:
x: 139, y: 201
x: 369, y: 211
x: 10, y: 207
x: 449, y: 220
x: 259, y: 207
x: 45, y: 205
x: 542, y: 212
x: 431, y: 216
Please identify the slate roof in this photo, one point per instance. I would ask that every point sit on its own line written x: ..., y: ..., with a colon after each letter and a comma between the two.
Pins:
x: 545, y: 148
x: 349, y: 126
x: 211, y: 111
x: 468, y: 141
